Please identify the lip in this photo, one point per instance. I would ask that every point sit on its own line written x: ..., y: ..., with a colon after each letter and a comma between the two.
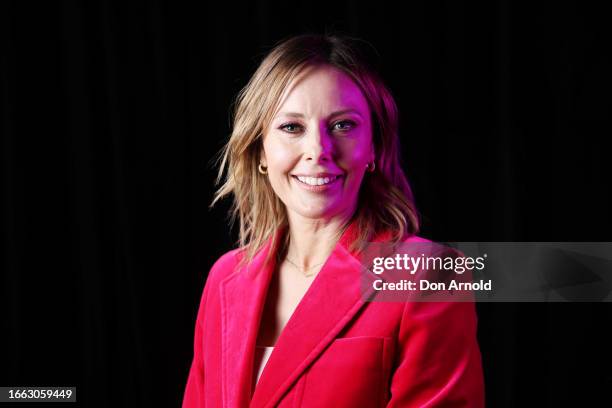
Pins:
x: 321, y: 188
x: 317, y: 175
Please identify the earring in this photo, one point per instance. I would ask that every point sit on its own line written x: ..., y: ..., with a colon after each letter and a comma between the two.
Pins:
x: 371, y: 166
x: 262, y: 169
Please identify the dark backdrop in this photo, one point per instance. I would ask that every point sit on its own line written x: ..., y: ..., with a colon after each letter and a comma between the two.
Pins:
x: 111, y: 113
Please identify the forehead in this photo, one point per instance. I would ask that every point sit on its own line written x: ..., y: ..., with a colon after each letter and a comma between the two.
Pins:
x: 322, y: 89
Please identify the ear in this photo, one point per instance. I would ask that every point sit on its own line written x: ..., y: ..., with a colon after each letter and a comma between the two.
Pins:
x: 262, y: 157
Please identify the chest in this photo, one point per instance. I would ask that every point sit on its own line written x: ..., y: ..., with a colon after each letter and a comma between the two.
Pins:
x: 287, y: 288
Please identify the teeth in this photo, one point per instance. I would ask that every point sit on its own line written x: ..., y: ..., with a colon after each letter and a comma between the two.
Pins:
x: 316, y: 181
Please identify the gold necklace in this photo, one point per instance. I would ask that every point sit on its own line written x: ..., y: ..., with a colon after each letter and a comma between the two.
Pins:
x: 303, y: 270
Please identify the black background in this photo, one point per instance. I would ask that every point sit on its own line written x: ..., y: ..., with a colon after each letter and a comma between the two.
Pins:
x: 112, y: 112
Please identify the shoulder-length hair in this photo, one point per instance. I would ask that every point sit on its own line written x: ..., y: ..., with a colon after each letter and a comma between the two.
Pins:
x: 385, y: 200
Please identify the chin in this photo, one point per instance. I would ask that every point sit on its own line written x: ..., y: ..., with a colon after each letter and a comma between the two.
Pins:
x: 319, y: 212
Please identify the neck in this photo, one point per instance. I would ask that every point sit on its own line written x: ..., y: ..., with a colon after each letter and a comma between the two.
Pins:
x: 312, y: 240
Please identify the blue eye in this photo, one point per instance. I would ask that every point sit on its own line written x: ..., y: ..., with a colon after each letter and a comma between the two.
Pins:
x: 350, y: 122
x: 282, y: 127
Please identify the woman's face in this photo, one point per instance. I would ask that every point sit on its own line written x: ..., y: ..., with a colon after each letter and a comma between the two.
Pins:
x: 318, y: 144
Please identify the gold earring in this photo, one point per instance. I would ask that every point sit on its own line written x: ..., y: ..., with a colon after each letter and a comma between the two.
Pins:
x: 262, y: 169
x: 372, y: 167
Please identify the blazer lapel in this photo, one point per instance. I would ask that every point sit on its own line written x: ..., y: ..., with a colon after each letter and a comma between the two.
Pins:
x: 329, y: 304
x: 243, y: 295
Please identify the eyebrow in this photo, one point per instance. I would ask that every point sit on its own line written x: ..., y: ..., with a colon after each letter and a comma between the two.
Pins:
x: 337, y: 113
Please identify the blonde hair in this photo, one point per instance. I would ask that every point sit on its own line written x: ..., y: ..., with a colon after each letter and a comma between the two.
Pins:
x: 385, y: 199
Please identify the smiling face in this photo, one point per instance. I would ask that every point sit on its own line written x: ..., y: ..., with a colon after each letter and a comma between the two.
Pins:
x: 318, y: 145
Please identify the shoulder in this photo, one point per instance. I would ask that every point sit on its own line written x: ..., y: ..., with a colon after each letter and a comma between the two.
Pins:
x: 221, y: 268
x: 419, y: 243
x: 224, y: 265
x: 416, y: 238
x: 416, y: 243
x: 408, y: 244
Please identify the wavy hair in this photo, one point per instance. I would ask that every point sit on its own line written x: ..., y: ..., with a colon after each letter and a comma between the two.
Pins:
x: 385, y: 203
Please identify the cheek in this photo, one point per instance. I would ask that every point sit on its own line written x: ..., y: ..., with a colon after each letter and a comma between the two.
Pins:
x: 279, y: 165
x: 280, y: 161
x: 278, y: 156
x: 356, y: 156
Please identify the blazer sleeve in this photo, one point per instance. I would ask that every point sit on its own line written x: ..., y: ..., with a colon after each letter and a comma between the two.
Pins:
x: 438, y: 361
x: 194, y: 390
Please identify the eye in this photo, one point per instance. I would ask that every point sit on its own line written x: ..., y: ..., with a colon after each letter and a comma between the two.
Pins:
x: 287, y: 125
x: 350, y: 122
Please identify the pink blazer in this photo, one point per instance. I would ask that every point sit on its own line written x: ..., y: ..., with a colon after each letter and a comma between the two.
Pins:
x: 336, y: 350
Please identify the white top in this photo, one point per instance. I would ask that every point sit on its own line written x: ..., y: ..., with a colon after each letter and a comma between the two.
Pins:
x: 262, y: 354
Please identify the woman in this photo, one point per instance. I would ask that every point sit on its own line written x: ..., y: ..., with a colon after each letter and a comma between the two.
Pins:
x: 313, y: 168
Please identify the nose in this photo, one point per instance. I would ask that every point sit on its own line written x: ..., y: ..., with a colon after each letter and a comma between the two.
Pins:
x: 319, y: 145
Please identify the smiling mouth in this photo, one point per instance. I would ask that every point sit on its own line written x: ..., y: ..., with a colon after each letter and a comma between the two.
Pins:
x: 316, y: 181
